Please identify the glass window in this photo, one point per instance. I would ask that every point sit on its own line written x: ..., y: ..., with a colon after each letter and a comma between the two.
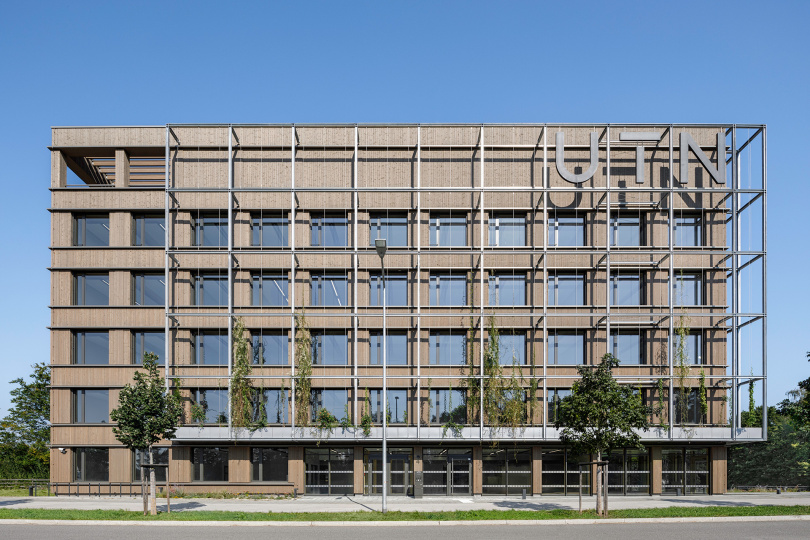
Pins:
x: 625, y: 290
x: 507, y: 290
x: 506, y: 471
x: 272, y: 404
x: 512, y: 349
x: 448, y: 290
x: 688, y: 231
x: 394, y: 228
x: 566, y: 348
x: 92, y: 289
x: 687, y: 406
x: 152, y: 342
x: 329, y: 471
x: 448, y: 348
x: 566, y: 290
x: 150, y: 290
x: 211, y: 348
x: 448, y: 405
x: 211, y: 230
x: 91, y: 464
x: 697, y: 471
x: 91, y: 406
x: 333, y: 400
x: 211, y: 290
x: 149, y: 231
x: 507, y: 230
x: 566, y: 231
x: 626, y: 347
x: 688, y: 289
x: 269, y: 231
x: 625, y: 231
x: 270, y: 290
x: 269, y: 464
x: 209, y: 464
x: 396, y: 289
x: 330, y: 349
x: 270, y: 348
x: 91, y: 231
x: 448, y: 231
x: 397, y: 405
x: 160, y: 456
x: 396, y: 353
x: 555, y: 396
x: 91, y: 348
x: 330, y: 231
x: 692, y: 347
x: 671, y: 469
x: 330, y: 290
x: 214, y: 402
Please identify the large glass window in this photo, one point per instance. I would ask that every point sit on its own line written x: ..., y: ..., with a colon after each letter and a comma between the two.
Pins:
x: 330, y: 290
x: 91, y: 464
x: 329, y: 471
x: 507, y: 230
x: 507, y: 290
x: 688, y: 231
x: 448, y: 405
x: 91, y: 348
x: 512, y: 349
x: 269, y: 231
x: 270, y: 406
x: 91, y: 406
x: 91, y: 230
x: 506, y: 471
x: 628, y: 472
x: 396, y: 350
x: 330, y: 231
x: 688, y: 290
x: 566, y: 348
x: 448, y: 348
x: 149, y: 231
x: 330, y: 349
x: 211, y: 348
x: 160, y: 454
x: 332, y: 399
x: 396, y: 289
x: 626, y: 346
x: 687, y: 406
x: 566, y: 290
x: 270, y: 348
x: 269, y: 464
x: 692, y: 344
x: 210, y: 290
x: 270, y: 290
x: 686, y: 469
x: 566, y: 231
x: 625, y: 231
x: 448, y: 231
x: 214, y: 402
x: 149, y: 290
x: 626, y: 290
x: 91, y: 289
x: 210, y: 230
x: 394, y: 228
x: 555, y: 396
x: 149, y: 342
x: 397, y: 405
x: 448, y: 290
x: 209, y: 464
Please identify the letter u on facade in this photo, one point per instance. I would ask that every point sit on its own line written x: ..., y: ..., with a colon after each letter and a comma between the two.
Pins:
x: 560, y: 159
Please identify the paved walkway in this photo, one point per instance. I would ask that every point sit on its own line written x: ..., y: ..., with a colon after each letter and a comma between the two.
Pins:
x: 360, y: 503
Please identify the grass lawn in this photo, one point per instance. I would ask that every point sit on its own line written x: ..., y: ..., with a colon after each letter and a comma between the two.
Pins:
x: 204, y: 515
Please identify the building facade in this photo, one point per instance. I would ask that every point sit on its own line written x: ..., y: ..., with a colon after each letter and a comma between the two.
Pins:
x: 515, y: 254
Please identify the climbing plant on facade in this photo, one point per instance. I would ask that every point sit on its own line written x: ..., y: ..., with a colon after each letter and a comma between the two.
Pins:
x: 303, y: 373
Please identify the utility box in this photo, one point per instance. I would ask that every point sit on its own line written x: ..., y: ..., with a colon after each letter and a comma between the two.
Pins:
x: 418, y: 485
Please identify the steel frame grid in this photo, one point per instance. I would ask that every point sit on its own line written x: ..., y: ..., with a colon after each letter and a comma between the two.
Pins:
x: 736, y: 252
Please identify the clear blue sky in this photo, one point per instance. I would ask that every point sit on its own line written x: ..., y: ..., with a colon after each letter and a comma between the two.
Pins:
x: 133, y: 63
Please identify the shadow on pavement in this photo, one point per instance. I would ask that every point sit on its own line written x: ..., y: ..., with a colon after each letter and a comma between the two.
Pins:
x: 12, y: 502
x: 358, y: 503
x: 707, y: 502
x: 520, y: 505
x: 181, y: 506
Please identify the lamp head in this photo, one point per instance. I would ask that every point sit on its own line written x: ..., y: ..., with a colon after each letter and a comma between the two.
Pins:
x: 381, y: 246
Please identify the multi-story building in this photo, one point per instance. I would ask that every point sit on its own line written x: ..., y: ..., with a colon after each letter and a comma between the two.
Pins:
x: 569, y: 241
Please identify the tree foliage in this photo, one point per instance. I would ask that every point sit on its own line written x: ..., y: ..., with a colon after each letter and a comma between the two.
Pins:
x: 25, y: 432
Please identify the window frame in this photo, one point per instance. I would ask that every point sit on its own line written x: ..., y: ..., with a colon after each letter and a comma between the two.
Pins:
x: 317, y: 347
x: 79, y: 348
x: 696, y: 279
x: 317, y: 286
x: 139, y: 222
x: 258, y: 223
x: 80, y: 288
x: 494, y: 228
x: 198, y: 222
x: 619, y: 222
x: 139, y: 281
x: 221, y: 417
x: 79, y: 406
x: 434, y: 288
x: 316, y: 402
x: 376, y: 230
x: 198, y: 288
x: 318, y: 223
x: 80, y: 455
x: 375, y: 346
x: 698, y: 227
x: 617, y: 277
x: 615, y: 346
x: 398, y: 279
x: 501, y: 348
x: 494, y: 280
x: 198, y: 465
x: 553, y: 287
x: 141, y: 333
x: 199, y: 347
x: 553, y: 226
x: 257, y: 466
x: 257, y: 284
x: 434, y: 347
x: 79, y: 236
x: 258, y: 348
x: 435, y: 227
x: 553, y: 347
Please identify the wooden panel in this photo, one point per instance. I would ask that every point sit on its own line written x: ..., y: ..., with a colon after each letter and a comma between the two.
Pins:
x: 358, y: 470
x: 477, y: 472
x: 104, y: 198
x: 296, y: 468
x: 655, y: 469
x: 180, y: 464
x: 109, y: 136
x: 719, y: 470
x: 239, y: 464
x: 121, y: 465
x: 537, y: 470
x: 58, y: 169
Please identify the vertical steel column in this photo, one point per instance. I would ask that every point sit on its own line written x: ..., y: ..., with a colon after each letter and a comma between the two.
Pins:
x: 671, y: 284
x: 608, y: 277
x: 481, y: 283
x: 735, y: 285
x: 292, y: 341
x: 384, y: 398
x: 545, y: 279
x: 764, y: 284
x: 418, y: 234
x: 230, y: 272
x: 355, y: 318
x: 168, y: 290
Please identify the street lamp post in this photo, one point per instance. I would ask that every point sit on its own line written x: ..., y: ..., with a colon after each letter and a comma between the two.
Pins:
x: 381, y: 247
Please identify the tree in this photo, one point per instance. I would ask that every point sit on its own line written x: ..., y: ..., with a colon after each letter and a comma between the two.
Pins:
x: 146, y: 414
x: 25, y: 432
x: 600, y: 415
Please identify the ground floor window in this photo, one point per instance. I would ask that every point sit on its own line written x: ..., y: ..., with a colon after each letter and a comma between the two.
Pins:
x: 329, y: 471
x: 91, y: 464
x: 561, y: 473
x: 685, y: 470
x: 400, y: 471
x: 506, y: 471
x: 161, y: 457
x: 629, y: 472
x: 210, y: 464
x: 269, y: 464
x: 446, y: 471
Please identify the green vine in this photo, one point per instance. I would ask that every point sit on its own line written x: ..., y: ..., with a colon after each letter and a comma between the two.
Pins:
x: 428, y: 402
x: 198, y: 414
x: 243, y: 396
x: 452, y: 413
x: 346, y: 421
x: 682, y: 366
x: 325, y: 423
x: 704, y: 403
x: 662, y: 406
x: 303, y: 375
x: 472, y: 380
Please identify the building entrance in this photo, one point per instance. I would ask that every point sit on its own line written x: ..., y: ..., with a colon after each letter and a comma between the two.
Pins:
x: 400, y: 471
x: 447, y: 471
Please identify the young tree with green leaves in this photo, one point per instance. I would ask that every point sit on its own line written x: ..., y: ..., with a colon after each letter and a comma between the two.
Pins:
x: 25, y: 432
x: 600, y: 415
x: 146, y: 413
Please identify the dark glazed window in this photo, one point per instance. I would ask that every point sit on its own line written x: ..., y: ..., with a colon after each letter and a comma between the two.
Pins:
x: 152, y: 342
x: 448, y: 405
x: 330, y: 349
x: 396, y: 290
x: 91, y: 230
x: 214, y: 402
x: 210, y: 230
x: 211, y: 290
x: 91, y: 464
x: 210, y: 464
x: 150, y: 290
x: 448, y: 289
x: 507, y: 230
x: 566, y: 231
x: 448, y: 348
x: 566, y: 290
x: 149, y: 231
x: 211, y: 349
x: 91, y: 289
x: 448, y: 231
x: 507, y: 290
x: 270, y: 290
x: 91, y: 348
x: 396, y: 350
x: 91, y: 406
x: 332, y: 400
x: 393, y: 228
x: 269, y: 464
x: 330, y: 231
x: 161, y: 457
x: 270, y: 348
x: 566, y: 348
x: 330, y: 290
x: 269, y: 231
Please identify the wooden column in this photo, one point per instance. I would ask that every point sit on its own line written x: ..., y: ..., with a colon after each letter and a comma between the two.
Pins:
x: 655, y: 470
x: 358, y: 470
x: 239, y: 464
x: 58, y: 169
x: 296, y: 469
x: 121, y: 168
x: 537, y: 470
x: 477, y: 470
x: 718, y: 471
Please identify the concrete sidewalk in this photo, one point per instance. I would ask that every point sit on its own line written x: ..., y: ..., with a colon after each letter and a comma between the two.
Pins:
x: 427, y: 504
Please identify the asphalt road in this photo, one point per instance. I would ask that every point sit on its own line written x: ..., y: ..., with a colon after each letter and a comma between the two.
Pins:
x: 640, y: 531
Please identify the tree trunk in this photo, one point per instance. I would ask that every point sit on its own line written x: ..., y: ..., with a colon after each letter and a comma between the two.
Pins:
x: 152, y: 499
x: 598, y: 484
x: 143, y: 487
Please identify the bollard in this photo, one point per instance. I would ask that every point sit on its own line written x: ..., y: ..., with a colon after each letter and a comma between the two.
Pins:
x: 678, y: 492
x: 295, y: 493
x: 31, y: 490
x: 524, y: 493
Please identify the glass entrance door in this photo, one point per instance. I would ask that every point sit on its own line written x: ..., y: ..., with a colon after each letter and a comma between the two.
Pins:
x: 459, y: 476
x: 400, y: 480
x: 447, y: 471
